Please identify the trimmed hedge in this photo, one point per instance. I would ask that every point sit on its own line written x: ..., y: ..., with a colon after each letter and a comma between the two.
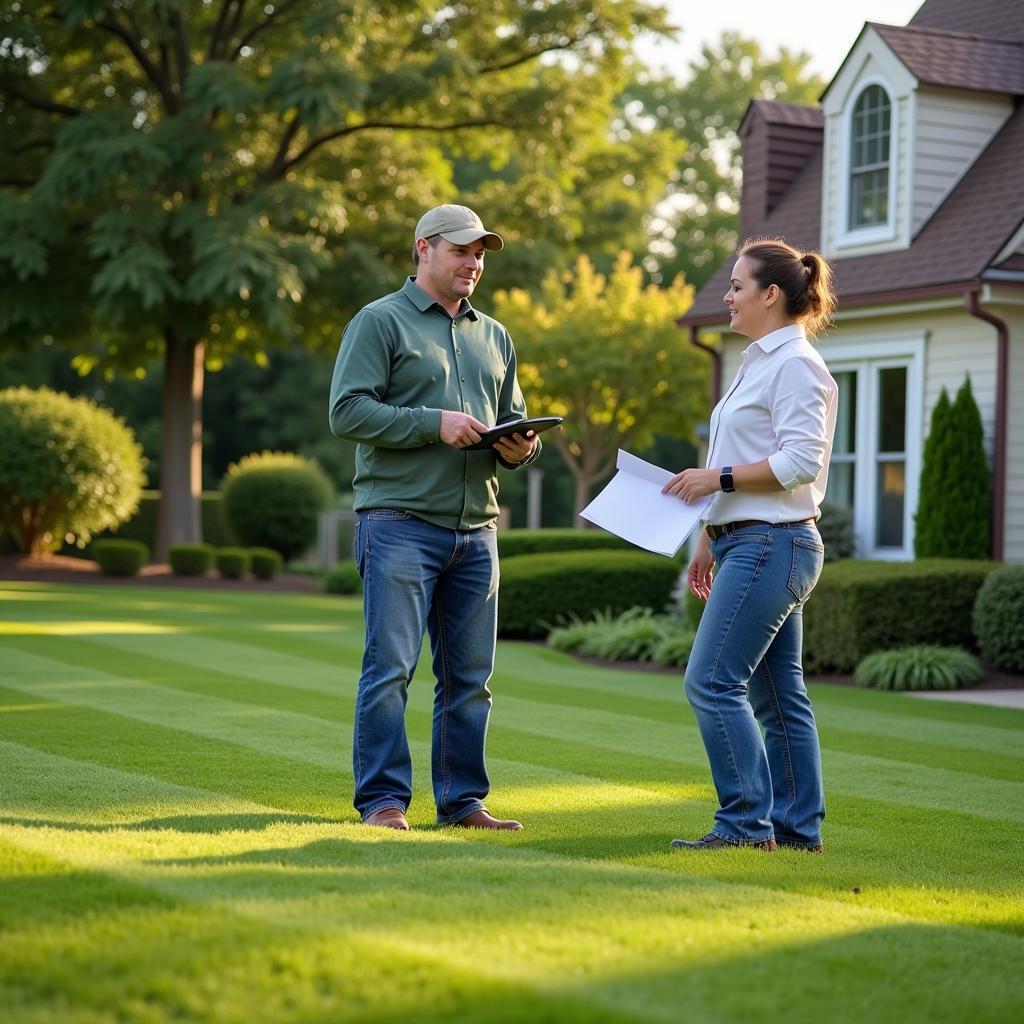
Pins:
x: 266, y: 563
x: 191, y: 559
x: 343, y: 579
x: 512, y: 543
x: 540, y: 591
x: 859, y: 607
x: 999, y: 618
x: 120, y: 557
x: 232, y: 563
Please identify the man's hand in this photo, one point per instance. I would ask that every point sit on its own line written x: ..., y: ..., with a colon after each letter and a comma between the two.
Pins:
x: 692, y: 484
x: 460, y: 429
x: 516, y: 448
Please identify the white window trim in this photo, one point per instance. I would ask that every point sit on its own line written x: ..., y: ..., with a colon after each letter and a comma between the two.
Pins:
x: 845, y: 236
x: 896, y: 349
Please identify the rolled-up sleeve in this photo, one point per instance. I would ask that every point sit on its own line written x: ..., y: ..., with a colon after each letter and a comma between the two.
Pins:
x: 361, y: 374
x: 801, y: 396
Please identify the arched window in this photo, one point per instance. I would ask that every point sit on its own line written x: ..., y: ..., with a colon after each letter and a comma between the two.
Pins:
x: 870, y: 135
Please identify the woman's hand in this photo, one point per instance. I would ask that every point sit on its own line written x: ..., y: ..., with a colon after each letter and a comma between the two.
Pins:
x: 700, y: 573
x: 692, y: 484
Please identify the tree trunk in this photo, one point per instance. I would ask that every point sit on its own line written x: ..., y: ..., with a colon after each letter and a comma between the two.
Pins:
x: 181, y: 447
x: 581, y: 500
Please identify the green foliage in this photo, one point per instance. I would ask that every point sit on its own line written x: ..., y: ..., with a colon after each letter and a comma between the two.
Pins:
x: 921, y: 667
x: 859, y: 607
x: 232, y: 563
x: 693, y: 607
x: 954, y: 509
x: 550, y: 588
x: 635, y: 635
x: 119, y: 557
x: 68, y: 469
x: 343, y: 579
x: 266, y: 563
x: 836, y: 528
x: 191, y: 559
x: 604, y: 352
x: 532, y: 542
x: 697, y: 230
x: 273, y: 499
x: 999, y: 618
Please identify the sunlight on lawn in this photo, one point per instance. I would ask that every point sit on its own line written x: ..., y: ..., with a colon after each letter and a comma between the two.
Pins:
x: 84, y: 627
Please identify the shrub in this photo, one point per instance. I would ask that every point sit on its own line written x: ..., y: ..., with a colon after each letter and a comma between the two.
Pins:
x: 343, y: 579
x: 512, y: 543
x: 954, y: 507
x: 120, y: 557
x: 999, y: 618
x: 859, y: 607
x: 266, y: 563
x: 191, y: 559
x: 922, y: 667
x: 635, y: 635
x: 68, y: 469
x: 548, y: 589
x: 232, y: 563
x: 692, y: 607
x: 836, y: 528
x: 273, y: 499
x: 675, y: 645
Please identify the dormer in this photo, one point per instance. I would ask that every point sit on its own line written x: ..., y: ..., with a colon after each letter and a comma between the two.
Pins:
x: 908, y: 112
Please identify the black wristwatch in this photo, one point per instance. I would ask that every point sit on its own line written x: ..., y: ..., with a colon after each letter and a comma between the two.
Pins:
x: 725, y: 480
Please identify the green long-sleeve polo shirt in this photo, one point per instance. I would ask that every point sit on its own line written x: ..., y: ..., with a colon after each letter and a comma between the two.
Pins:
x: 402, y: 361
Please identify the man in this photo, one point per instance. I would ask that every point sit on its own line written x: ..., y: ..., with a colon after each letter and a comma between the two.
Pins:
x: 419, y: 376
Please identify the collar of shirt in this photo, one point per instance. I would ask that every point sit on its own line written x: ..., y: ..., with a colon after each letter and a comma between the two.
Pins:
x: 776, y: 339
x: 422, y: 301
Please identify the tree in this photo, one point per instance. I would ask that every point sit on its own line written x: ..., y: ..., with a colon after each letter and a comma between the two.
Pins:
x: 605, y: 353
x: 954, y: 510
x: 196, y: 181
x: 694, y: 230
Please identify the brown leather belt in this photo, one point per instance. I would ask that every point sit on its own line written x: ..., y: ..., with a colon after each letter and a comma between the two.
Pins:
x: 714, y: 532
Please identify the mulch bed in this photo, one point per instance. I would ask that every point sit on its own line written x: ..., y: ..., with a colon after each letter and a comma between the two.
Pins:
x: 63, y: 569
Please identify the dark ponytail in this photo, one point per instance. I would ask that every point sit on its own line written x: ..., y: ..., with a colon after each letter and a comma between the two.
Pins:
x: 804, y: 278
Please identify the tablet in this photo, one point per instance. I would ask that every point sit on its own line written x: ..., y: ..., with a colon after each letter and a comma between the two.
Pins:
x: 537, y: 424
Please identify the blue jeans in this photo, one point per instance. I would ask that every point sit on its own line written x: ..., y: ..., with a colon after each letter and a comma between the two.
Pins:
x: 416, y: 577
x: 745, y: 671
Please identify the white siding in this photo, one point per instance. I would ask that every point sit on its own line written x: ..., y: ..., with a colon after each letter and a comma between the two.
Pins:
x: 1013, y: 550
x: 951, y: 129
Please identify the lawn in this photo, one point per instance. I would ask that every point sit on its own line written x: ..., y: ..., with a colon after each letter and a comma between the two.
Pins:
x: 177, y: 841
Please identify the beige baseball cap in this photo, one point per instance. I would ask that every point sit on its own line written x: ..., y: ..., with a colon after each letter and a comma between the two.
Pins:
x: 458, y: 225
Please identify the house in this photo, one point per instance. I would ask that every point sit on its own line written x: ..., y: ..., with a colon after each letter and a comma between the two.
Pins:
x: 909, y: 178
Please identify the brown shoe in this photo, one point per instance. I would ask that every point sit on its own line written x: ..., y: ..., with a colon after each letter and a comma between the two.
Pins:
x: 715, y: 842
x: 388, y: 817
x: 481, y: 819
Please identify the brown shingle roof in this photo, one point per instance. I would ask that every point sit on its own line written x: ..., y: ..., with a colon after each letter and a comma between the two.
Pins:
x: 957, y: 59
x: 1003, y: 19
x: 797, y: 114
x: 954, y: 247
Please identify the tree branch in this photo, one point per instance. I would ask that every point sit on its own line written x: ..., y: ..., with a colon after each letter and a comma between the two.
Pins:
x: 149, y: 69
x: 278, y: 10
x: 38, y: 103
x: 321, y: 140
x: 523, y: 58
x: 236, y: 20
x: 278, y: 164
x: 181, y: 48
x: 215, y: 38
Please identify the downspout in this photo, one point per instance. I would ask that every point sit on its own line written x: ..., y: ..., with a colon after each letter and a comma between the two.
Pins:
x: 716, y: 365
x: 1002, y: 412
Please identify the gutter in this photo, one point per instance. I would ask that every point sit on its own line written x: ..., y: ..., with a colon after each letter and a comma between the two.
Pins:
x: 716, y: 364
x: 1002, y: 412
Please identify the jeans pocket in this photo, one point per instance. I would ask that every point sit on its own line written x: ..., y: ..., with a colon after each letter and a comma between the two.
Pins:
x: 808, y: 558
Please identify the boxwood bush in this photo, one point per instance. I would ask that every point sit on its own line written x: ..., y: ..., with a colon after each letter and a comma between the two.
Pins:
x: 860, y: 607
x: 541, y: 591
x: 266, y: 563
x: 191, y: 559
x: 512, y: 543
x: 120, y: 557
x: 999, y: 618
x: 273, y: 500
x: 343, y: 579
x: 232, y: 563
x: 68, y: 469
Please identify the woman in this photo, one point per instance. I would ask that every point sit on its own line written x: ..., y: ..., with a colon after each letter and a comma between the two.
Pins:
x: 771, y: 438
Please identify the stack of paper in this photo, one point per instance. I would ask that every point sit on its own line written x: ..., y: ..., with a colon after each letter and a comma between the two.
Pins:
x: 633, y: 507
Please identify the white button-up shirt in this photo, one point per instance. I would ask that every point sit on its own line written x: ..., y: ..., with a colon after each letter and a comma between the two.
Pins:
x: 781, y: 407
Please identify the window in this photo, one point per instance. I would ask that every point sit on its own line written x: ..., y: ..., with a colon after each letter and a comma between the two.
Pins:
x: 870, y: 137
